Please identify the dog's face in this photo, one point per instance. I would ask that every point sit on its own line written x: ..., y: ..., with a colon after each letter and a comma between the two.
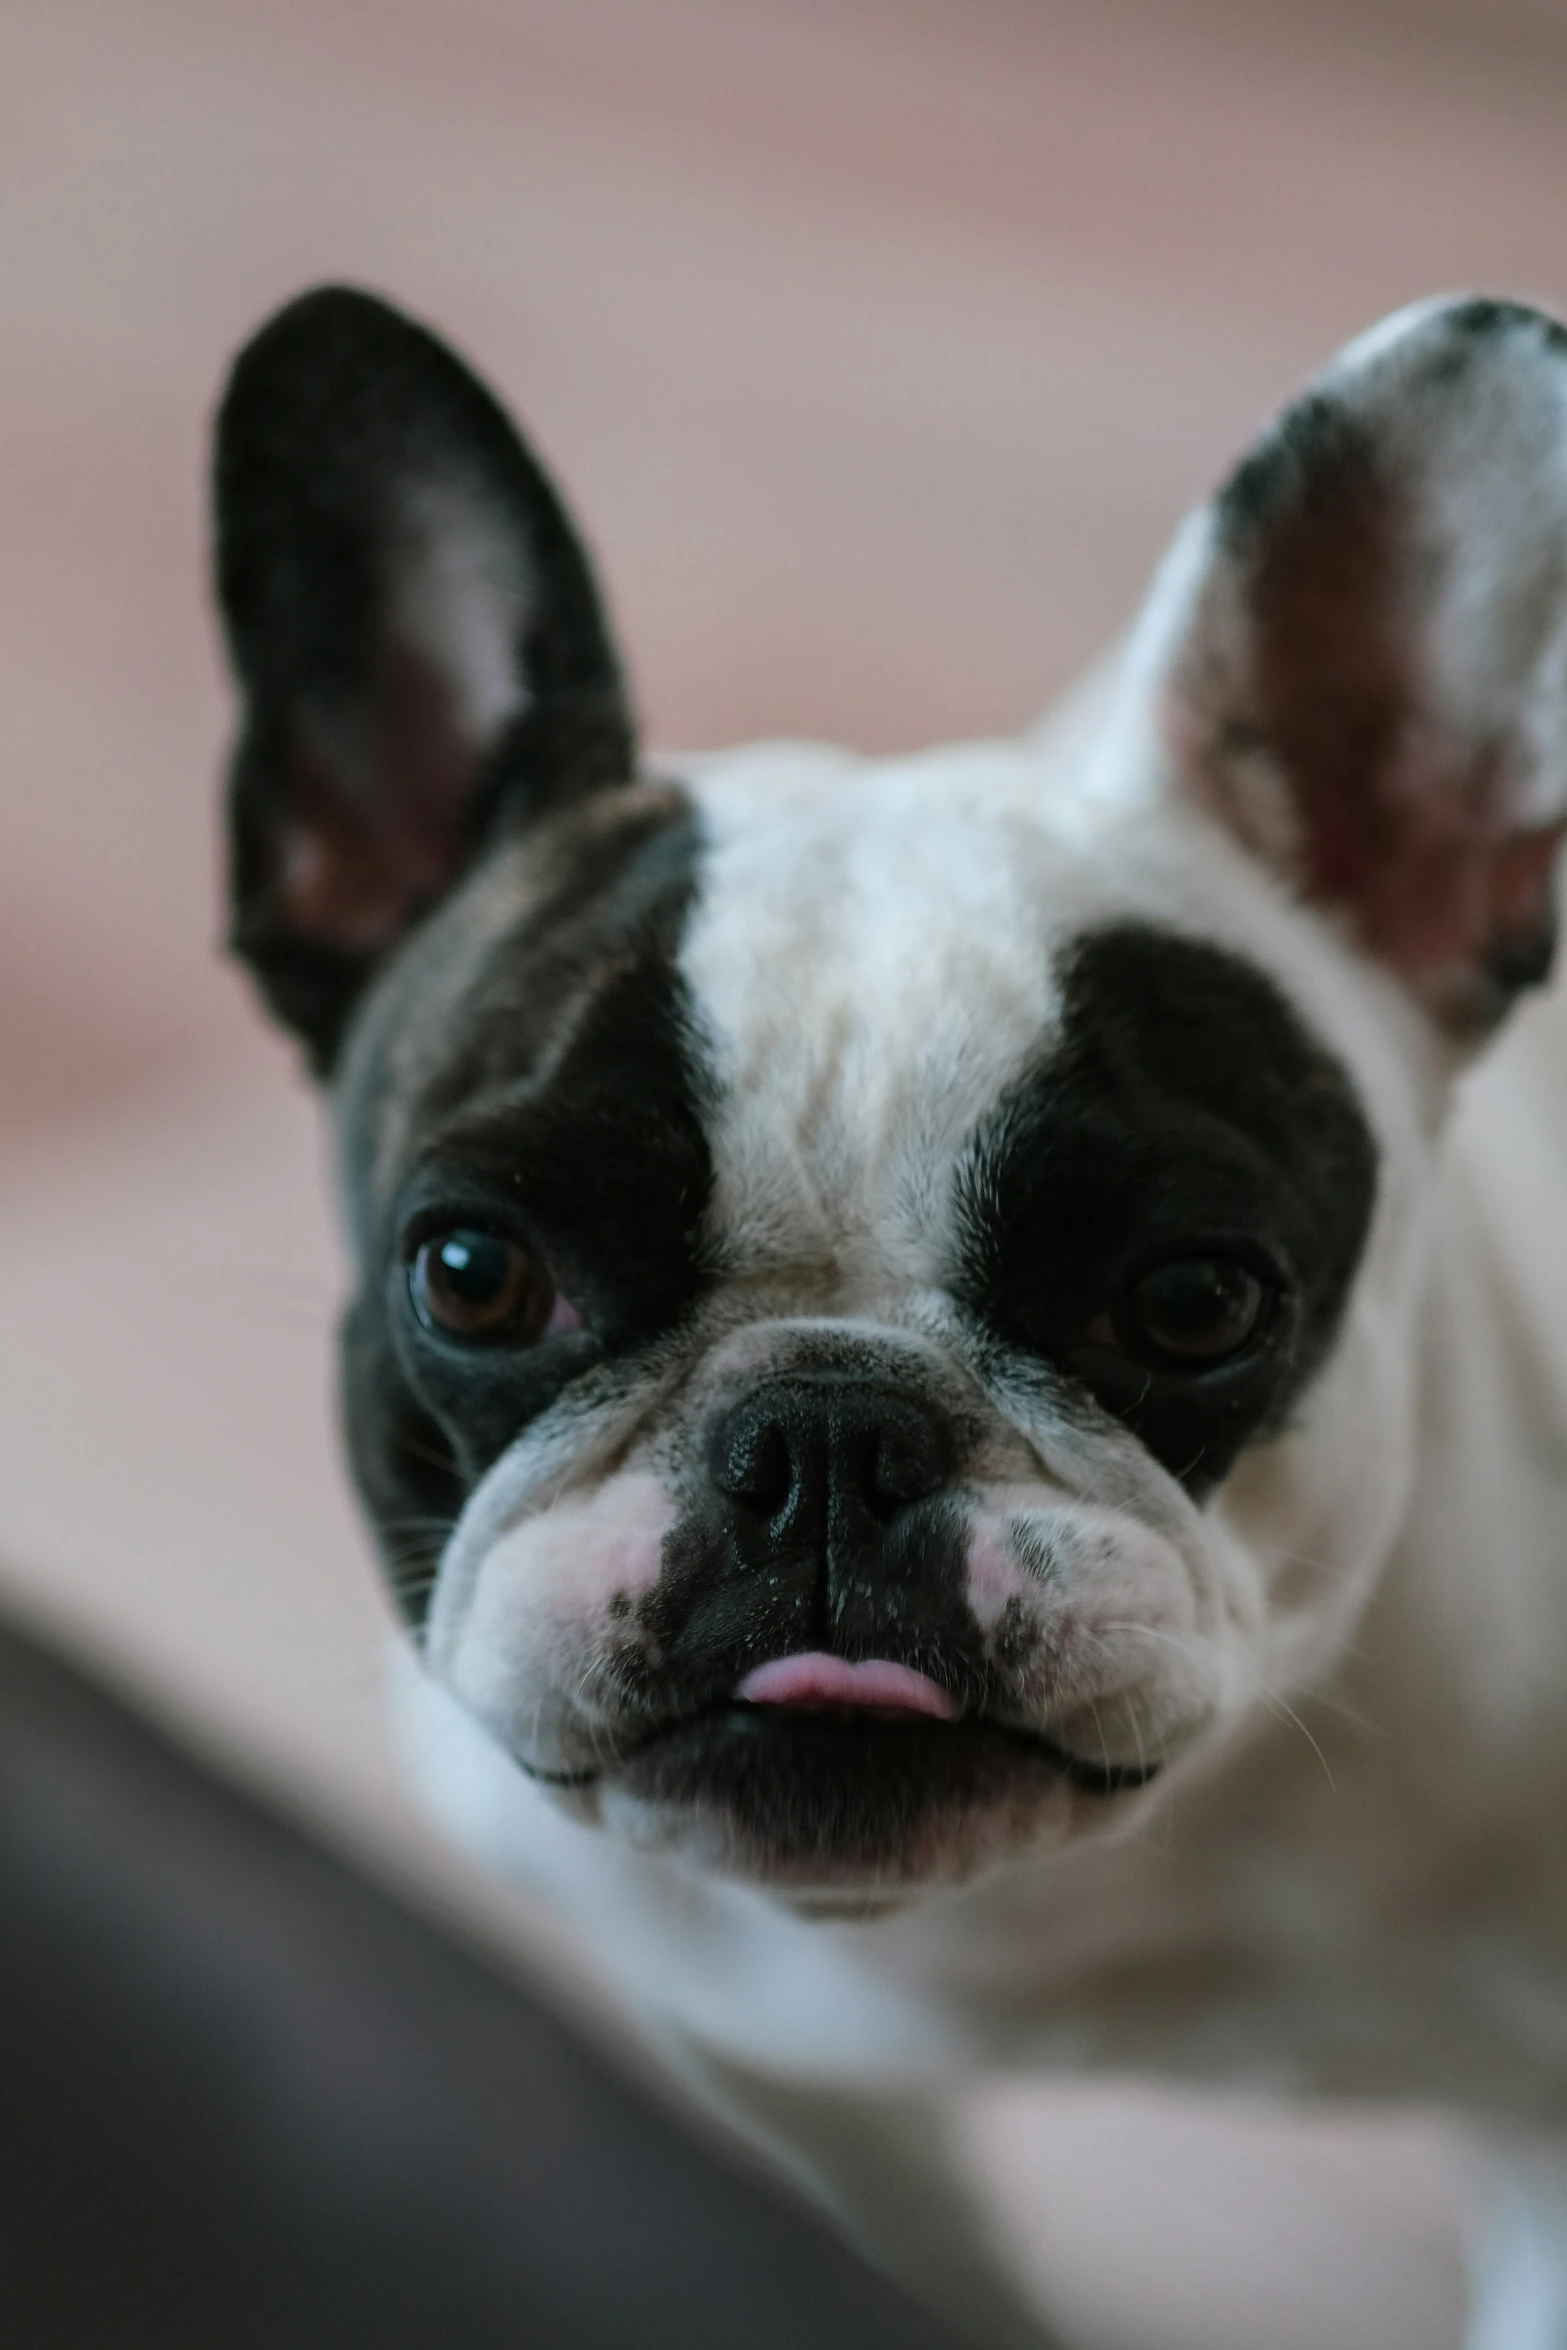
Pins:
x: 886, y: 1293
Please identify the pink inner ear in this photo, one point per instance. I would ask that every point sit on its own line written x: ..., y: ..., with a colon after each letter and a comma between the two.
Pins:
x: 1449, y: 902
x: 374, y: 825
x: 1407, y: 831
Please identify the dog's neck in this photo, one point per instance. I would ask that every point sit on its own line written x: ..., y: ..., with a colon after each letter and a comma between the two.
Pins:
x: 1477, y: 1586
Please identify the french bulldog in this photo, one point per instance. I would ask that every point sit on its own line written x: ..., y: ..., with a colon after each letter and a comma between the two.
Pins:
x: 963, y: 1396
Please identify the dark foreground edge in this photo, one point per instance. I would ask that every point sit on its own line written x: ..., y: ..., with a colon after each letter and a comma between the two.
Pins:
x: 248, y: 2097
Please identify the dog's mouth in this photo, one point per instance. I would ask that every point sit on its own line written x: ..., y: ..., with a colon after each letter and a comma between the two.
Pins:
x: 816, y: 1769
x: 816, y: 1683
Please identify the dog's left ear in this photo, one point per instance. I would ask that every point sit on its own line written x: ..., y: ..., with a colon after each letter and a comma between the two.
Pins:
x: 416, y: 635
x: 1367, y: 677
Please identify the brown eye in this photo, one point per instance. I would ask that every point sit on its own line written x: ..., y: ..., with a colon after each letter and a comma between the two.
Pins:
x: 472, y: 1285
x: 1193, y: 1313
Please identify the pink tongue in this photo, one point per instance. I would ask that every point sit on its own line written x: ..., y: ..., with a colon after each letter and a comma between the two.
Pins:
x: 815, y: 1682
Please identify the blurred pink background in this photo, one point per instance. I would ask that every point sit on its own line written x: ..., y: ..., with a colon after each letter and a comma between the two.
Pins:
x: 879, y: 347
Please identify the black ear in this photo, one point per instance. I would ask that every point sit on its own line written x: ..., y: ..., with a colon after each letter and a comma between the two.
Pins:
x: 416, y: 635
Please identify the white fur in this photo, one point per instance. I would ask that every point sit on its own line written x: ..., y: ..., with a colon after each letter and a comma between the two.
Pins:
x: 461, y: 595
x: 1355, y: 1655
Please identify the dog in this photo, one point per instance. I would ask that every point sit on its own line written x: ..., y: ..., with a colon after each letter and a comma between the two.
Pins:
x: 962, y: 1390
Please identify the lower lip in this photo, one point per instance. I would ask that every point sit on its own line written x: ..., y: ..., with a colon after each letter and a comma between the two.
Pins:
x: 840, y: 1796
x: 817, y: 1683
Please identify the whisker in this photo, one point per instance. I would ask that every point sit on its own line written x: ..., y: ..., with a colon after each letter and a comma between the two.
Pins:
x: 1286, y: 1712
x: 1278, y: 1705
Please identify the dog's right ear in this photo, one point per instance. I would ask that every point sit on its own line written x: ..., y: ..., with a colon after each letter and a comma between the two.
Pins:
x: 416, y: 634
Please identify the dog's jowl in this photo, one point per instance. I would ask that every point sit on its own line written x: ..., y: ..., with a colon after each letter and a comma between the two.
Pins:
x: 909, y: 1315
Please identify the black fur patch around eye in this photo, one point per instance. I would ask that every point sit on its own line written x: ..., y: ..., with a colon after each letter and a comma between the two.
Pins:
x: 562, y: 1105
x: 1185, y: 1110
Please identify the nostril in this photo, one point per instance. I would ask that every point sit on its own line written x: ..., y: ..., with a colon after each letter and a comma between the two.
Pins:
x: 798, y: 1449
x: 905, y: 1466
x: 751, y: 1461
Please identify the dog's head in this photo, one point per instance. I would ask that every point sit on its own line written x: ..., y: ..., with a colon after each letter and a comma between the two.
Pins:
x: 885, y: 1292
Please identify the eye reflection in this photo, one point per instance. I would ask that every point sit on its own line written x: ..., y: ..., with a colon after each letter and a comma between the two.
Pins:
x: 475, y: 1286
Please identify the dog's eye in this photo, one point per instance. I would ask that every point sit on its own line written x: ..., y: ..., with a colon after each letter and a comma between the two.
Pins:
x: 1191, y: 1314
x: 472, y: 1285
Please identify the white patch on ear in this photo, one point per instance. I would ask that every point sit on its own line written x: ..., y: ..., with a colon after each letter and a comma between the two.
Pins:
x: 1493, y: 469
x: 460, y: 596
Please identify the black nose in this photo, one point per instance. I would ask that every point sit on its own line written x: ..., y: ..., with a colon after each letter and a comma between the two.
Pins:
x: 823, y: 1452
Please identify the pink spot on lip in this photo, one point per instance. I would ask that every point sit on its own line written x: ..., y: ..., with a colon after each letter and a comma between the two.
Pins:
x: 818, y: 1683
